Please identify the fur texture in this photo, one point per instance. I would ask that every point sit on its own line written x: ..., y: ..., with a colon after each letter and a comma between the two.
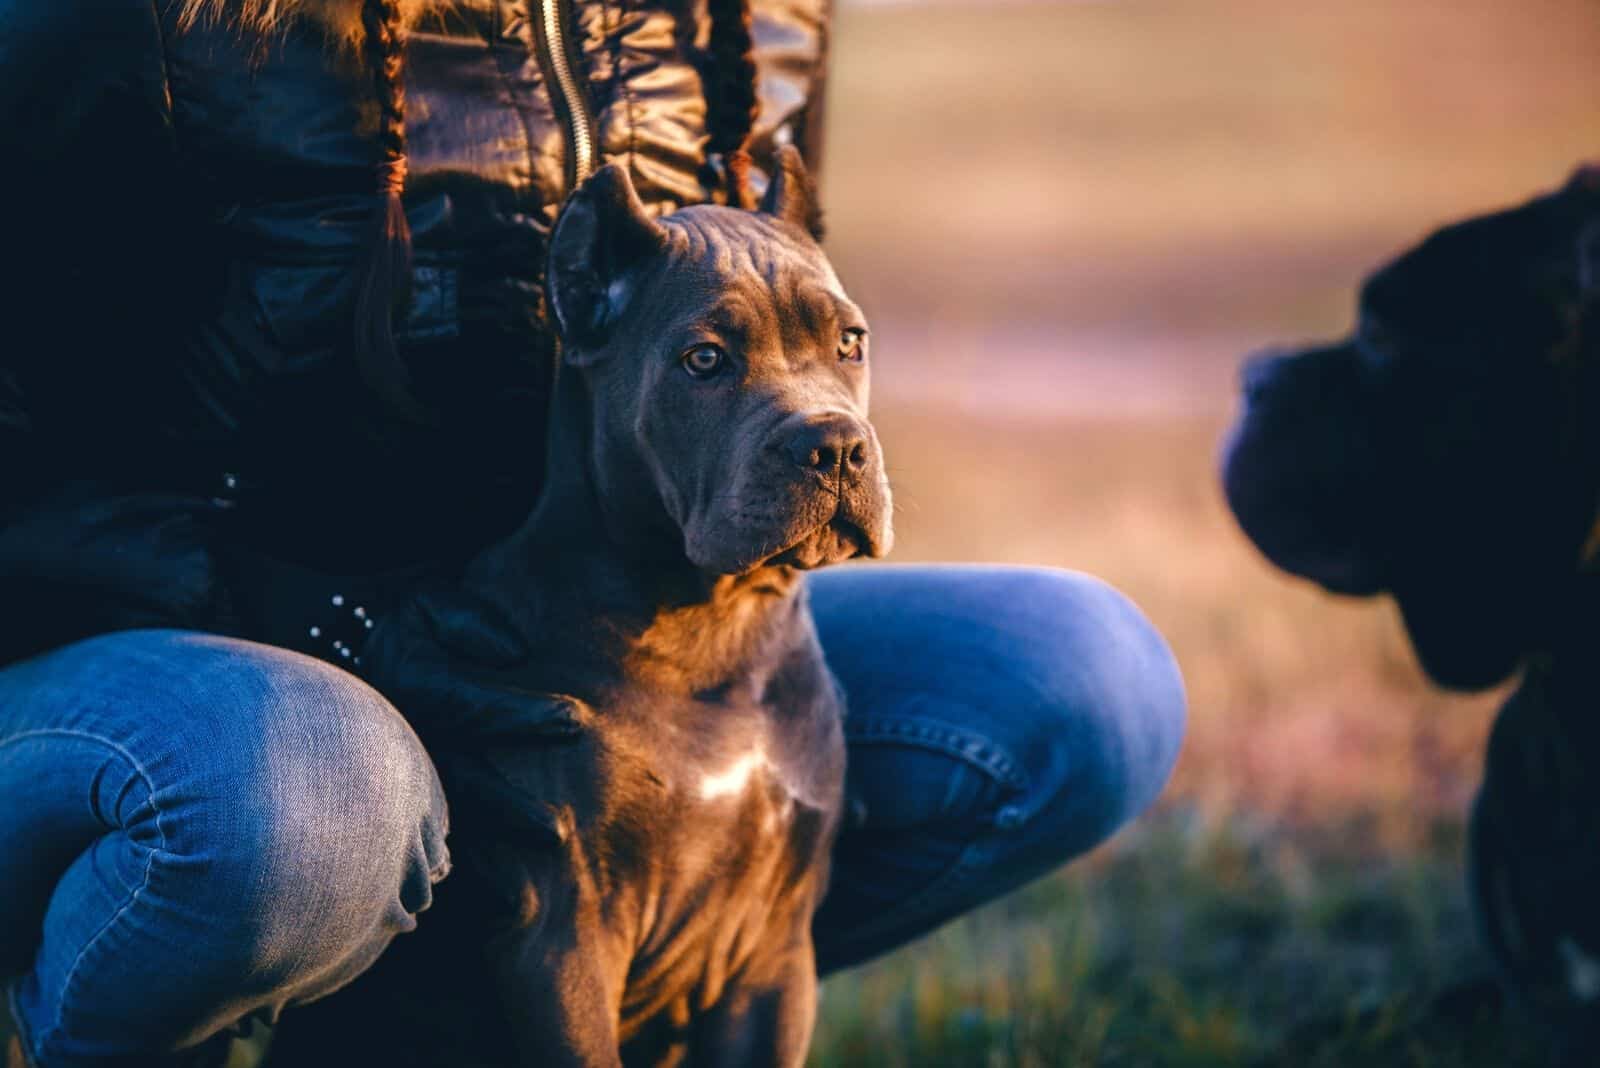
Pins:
x: 341, y: 19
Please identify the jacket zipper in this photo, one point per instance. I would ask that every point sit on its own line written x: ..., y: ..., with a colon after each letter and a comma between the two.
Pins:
x: 557, y: 58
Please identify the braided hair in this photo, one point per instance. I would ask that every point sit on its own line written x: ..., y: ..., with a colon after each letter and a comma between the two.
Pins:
x: 730, y: 89
x: 385, y: 277
x: 384, y: 280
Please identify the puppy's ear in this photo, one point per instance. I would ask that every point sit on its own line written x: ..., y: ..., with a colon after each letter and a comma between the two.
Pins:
x: 791, y: 194
x: 602, y: 235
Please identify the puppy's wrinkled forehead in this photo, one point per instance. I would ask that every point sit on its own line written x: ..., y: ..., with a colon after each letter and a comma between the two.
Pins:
x: 748, y: 273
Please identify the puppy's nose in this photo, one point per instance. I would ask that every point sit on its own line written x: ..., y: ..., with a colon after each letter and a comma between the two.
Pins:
x: 830, y: 445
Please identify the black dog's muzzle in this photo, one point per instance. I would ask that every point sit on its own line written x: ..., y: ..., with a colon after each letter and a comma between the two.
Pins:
x: 1301, y: 467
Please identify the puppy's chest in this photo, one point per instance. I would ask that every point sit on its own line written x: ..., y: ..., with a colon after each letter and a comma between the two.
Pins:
x: 724, y: 789
x: 718, y: 847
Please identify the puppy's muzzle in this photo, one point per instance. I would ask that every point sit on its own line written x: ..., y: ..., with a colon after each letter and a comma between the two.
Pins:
x: 836, y: 446
x: 842, y: 498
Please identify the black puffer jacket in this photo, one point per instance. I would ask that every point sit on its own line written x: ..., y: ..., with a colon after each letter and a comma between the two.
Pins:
x: 186, y: 209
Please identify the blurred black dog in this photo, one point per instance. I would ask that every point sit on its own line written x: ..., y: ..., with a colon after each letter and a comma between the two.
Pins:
x: 1447, y: 451
x: 1534, y: 857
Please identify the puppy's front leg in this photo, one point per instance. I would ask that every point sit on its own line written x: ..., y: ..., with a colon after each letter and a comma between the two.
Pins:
x: 561, y: 998
x: 765, y: 1021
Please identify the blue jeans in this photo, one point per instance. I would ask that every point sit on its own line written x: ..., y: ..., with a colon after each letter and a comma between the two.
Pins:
x: 199, y: 829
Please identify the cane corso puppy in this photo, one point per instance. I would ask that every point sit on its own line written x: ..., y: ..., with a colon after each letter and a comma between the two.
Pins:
x: 1447, y: 451
x: 709, y: 443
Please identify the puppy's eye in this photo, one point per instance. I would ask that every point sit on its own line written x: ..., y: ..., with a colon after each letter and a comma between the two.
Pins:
x: 703, y: 361
x: 853, y: 345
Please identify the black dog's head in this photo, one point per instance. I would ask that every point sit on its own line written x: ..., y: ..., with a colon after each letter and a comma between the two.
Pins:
x: 1447, y: 451
x: 727, y: 375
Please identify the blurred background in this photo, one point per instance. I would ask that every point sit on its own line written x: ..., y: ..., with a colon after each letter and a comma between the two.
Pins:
x: 1068, y: 222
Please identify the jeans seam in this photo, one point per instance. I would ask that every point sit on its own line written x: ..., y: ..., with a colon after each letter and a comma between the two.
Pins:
x: 986, y: 757
x: 929, y: 899
x: 133, y: 898
x: 910, y: 730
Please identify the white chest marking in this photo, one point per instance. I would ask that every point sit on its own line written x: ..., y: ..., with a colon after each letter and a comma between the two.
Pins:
x: 732, y: 780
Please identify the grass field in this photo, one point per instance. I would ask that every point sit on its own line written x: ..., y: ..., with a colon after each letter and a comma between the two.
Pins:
x: 1068, y: 222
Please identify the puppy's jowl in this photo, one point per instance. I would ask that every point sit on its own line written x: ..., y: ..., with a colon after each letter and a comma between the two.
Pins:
x: 709, y: 443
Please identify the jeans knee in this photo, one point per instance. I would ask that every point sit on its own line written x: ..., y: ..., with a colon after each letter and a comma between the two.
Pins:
x: 1111, y: 711
x: 325, y: 822
x: 256, y: 827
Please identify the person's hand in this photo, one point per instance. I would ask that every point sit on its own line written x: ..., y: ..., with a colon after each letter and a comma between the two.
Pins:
x: 447, y: 658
